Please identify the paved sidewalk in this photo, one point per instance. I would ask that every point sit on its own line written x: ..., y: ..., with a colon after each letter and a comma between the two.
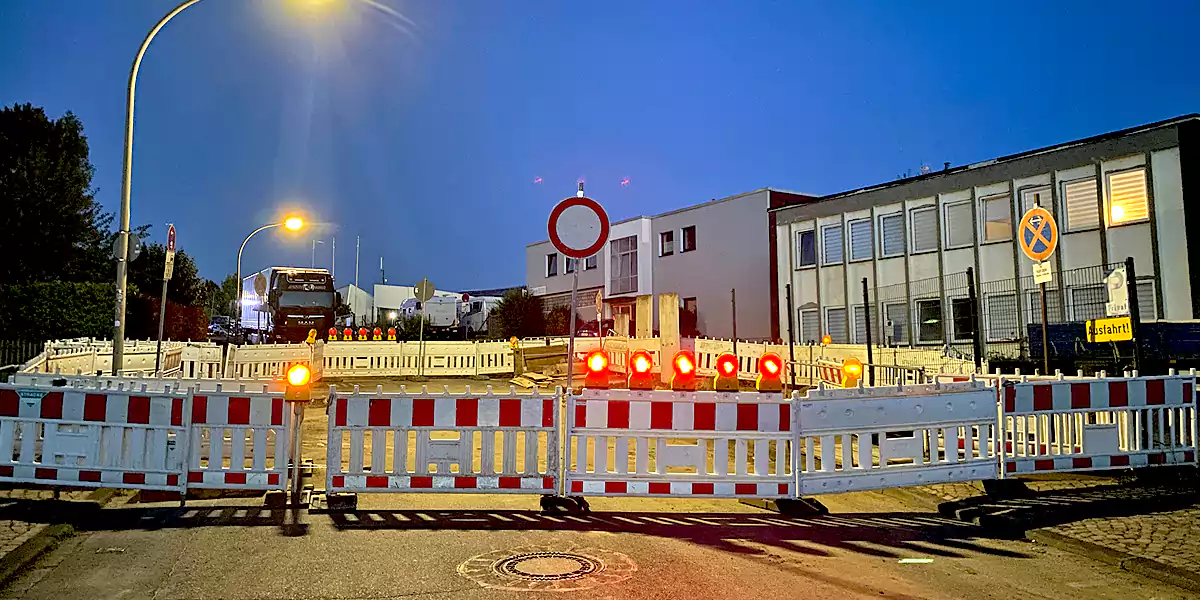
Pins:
x: 26, y: 517
x: 15, y: 531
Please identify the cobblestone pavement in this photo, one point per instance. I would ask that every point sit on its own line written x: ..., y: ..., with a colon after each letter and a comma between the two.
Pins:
x: 1172, y: 538
x: 14, y: 531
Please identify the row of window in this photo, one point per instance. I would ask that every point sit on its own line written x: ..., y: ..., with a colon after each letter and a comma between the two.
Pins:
x: 999, y: 313
x: 666, y: 241
x: 1127, y: 203
x: 569, y: 264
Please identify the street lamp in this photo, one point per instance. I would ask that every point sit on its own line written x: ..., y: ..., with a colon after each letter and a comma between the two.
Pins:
x: 291, y: 224
x: 127, y: 184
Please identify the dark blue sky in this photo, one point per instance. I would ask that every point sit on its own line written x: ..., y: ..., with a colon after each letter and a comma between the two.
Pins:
x: 426, y: 140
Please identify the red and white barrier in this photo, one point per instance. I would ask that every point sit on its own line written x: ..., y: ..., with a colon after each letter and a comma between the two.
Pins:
x: 869, y: 438
x: 1099, y: 424
x: 830, y: 372
x: 661, y: 442
x: 239, y: 441
x: 403, y: 434
x: 79, y: 438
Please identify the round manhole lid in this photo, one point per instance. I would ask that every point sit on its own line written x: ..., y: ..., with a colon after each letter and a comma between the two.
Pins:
x: 546, y: 569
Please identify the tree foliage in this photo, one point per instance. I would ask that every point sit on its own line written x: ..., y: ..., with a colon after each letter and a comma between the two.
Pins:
x: 558, y: 321
x: 56, y: 310
x: 520, y: 314
x: 146, y: 273
x: 408, y: 328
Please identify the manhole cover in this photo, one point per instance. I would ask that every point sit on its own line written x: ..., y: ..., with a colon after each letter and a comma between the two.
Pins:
x: 547, y: 569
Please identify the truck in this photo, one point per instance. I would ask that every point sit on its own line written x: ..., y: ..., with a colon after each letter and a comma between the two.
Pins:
x: 297, y: 300
x: 441, y: 311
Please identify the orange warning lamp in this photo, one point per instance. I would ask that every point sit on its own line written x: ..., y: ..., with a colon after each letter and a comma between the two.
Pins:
x: 347, y: 334
x: 298, y: 377
x: 684, y: 364
x: 377, y: 334
x: 362, y: 334
x: 332, y: 334
x: 596, y: 365
x: 727, y: 369
x: 852, y: 370
x: 770, y: 373
x: 826, y: 340
x: 391, y: 334
x: 640, y: 378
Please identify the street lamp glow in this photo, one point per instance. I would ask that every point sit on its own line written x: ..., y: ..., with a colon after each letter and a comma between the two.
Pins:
x: 293, y: 223
x: 392, y: 315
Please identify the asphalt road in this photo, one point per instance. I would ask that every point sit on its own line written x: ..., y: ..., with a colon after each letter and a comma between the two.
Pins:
x: 450, y: 547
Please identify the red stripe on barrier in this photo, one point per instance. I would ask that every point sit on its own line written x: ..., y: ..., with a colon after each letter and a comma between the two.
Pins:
x: 1158, y: 458
x: 377, y: 481
x: 6, y: 471
x: 1118, y: 394
x: 548, y: 412
x: 618, y: 414
x: 379, y: 412
x: 172, y: 479
x: 742, y: 489
x: 510, y: 412
x: 139, y: 410
x: 576, y: 487
x: 1010, y: 467
x: 1081, y: 463
x: 747, y: 417
x: 10, y: 403
x: 195, y: 477
x: 277, y: 411
x: 660, y: 415
x: 199, y: 409
x: 1155, y: 392
x: 239, y: 411
x: 95, y: 407
x: 510, y: 483
x: 1010, y: 399
x: 92, y: 476
x: 464, y: 482
x: 133, y: 478
x: 581, y: 415
x: 235, y: 478
x: 657, y: 487
x: 177, y: 411
x: 272, y: 478
x: 615, y: 487
x: 466, y: 412
x: 339, y: 412
x: 547, y: 483
x: 339, y: 481
x: 45, y: 473
x: 422, y: 412
x: 702, y: 488
x: 705, y: 416
x: 1081, y: 395
x: 1118, y: 461
x: 1043, y: 397
x: 52, y: 405
x: 1188, y: 398
x: 420, y: 482
x: 785, y: 417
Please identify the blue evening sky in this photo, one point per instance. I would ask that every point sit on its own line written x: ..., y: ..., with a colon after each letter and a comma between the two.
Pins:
x: 425, y: 138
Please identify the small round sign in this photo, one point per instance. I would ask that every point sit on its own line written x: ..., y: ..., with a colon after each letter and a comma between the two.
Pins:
x: 1038, y: 234
x: 423, y: 290
x: 578, y: 227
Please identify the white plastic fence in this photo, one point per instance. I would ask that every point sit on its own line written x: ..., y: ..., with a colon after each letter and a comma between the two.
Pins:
x: 272, y: 361
x: 396, y: 359
x: 239, y: 441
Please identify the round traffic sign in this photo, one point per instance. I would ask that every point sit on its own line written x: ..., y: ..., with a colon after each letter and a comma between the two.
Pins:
x: 578, y: 227
x: 1038, y: 234
x: 260, y: 284
x: 423, y: 290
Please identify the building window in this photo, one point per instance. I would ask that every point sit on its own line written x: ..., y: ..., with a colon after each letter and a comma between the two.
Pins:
x: 891, y: 234
x: 924, y: 229
x: 689, y: 238
x: 831, y: 245
x: 1079, y: 200
x: 689, y: 304
x: 1127, y: 201
x: 589, y: 263
x: 1146, y: 304
x: 862, y: 245
x: 929, y: 321
x: 810, y: 325
x: 960, y: 231
x: 860, y: 324
x: 624, y: 264
x: 570, y: 264
x: 806, y: 248
x: 552, y: 264
x: 666, y: 243
x: 960, y: 314
x: 1053, y: 307
x: 1086, y: 302
x: 1001, y: 317
x: 896, y: 328
x: 997, y: 218
x: 835, y: 324
x: 1039, y: 196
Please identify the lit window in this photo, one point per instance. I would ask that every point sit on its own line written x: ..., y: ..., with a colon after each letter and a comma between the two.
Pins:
x: 689, y: 238
x: 929, y: 320
x: 831, y: 245
x: 862, y: 245
x: 891, y: 234
x: 959, y: 230
x: 1127, y: 202
x: 1079, y: 199
x: 806, y: 248
x: 924, y: 229
x: 666, y: 243
x: 997, y: 218
x: 552, y: 264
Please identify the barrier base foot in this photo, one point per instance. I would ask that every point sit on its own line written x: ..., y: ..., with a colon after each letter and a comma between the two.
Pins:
x: 1006, y: 488
x: 565, y: 504
x: 790, y: 507
x: 275, y: 499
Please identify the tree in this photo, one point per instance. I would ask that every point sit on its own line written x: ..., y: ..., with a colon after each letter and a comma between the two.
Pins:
x: 54, y: 230
x: 558, y: 321
x: 219, y: 299
x: 146, y: 273
x: 519, y: 314
x: 408, y: 328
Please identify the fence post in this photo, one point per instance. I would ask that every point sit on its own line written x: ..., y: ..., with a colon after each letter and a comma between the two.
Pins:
x: 1135, y: 312
x: 791, y: 336
x: 867, y: 318
x: 976, y: 334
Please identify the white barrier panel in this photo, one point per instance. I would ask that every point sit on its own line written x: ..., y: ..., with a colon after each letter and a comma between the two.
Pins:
x: 658, y: 443
x: 1099, y: 424
x: 153, y: 384
x: 396, y: 359
x: 271, y: 361
x: 458, y: 434
x: 830, y: 372
x: 870, y: 438
x: 76, y: 438
x: 239, y: 441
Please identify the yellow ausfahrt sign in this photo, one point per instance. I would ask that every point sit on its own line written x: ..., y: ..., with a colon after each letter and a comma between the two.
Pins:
x: 1117, y: 329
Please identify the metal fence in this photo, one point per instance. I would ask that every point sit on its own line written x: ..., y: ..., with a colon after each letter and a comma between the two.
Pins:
x: 16, y: 352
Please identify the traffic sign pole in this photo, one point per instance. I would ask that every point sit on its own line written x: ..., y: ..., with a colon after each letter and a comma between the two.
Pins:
x: 1135, y: 311
x: 578, y: 228
x: 1038, y: 237
x: 168, y: 269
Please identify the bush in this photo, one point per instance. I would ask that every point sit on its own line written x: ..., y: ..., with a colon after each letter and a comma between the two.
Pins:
x: 558, y: 321
x: 183, y: 322
x: 56, y: 310
x: 520, y: 315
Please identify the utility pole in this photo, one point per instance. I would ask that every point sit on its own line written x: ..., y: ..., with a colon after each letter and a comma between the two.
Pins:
x: 333, y: 261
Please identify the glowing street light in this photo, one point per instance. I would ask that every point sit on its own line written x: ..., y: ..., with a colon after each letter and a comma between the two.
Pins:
x: 291, y: 224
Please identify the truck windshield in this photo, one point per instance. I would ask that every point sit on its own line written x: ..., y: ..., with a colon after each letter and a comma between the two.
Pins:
x: 306, y: 299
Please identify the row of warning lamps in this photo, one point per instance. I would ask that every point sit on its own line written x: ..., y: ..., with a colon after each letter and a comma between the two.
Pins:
x: 683, y: 378
x: 363, y: 334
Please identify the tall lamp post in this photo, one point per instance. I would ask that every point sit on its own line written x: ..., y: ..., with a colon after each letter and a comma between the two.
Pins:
x: 291, y: 224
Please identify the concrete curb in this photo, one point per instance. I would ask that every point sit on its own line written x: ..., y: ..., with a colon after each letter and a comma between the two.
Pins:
x: 34, y: 547
x: 1122, y: 560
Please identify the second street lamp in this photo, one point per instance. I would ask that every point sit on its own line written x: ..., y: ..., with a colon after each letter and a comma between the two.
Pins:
x: 291, y: 224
